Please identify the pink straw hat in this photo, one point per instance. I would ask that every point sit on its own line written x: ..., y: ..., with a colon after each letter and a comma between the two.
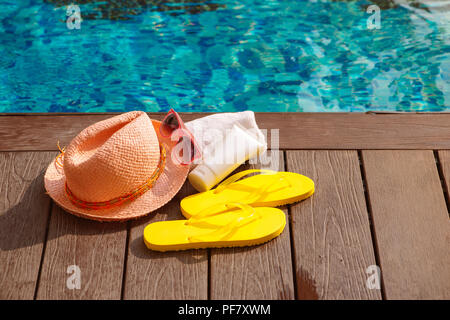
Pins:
x: 115, y: 170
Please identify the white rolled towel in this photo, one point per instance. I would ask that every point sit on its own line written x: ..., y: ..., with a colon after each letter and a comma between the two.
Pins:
x: 208, y: 130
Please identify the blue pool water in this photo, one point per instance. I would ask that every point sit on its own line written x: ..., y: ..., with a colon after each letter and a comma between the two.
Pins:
x: 223, y: 55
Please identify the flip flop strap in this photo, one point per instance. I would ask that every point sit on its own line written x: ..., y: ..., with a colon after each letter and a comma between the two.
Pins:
x: 235, y: 177
x: 210, y: 212
x: 224, y: 231
x: 258, y: 192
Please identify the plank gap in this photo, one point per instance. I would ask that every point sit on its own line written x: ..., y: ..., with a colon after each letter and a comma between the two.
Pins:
x: 291, y: 238
x: 294, y: 265
x: 371, y: 224
x: 44, y: 246
x: 208, y: 294
x: 125, y: 260
x: 288, y: 207
x: 442, y: 178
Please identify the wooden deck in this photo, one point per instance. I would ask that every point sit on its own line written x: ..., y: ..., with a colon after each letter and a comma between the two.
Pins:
x: 381, y: 199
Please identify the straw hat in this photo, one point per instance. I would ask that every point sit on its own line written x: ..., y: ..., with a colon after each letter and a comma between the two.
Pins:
x: 116, y: 169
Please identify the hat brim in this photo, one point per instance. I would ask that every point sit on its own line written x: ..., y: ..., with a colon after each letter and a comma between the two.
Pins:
x: 165, y: 188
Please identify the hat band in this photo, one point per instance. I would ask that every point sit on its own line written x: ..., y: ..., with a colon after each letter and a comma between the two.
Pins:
x: 124, y: 198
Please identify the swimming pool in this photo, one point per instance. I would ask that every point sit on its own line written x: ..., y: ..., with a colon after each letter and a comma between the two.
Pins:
x: 223, y: 55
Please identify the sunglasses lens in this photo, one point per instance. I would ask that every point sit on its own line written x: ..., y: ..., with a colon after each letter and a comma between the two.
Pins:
x: 187, y: 152
x: 169, y: 125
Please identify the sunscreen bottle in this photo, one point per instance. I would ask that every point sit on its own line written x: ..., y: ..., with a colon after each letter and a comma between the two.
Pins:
x: 229, y: 153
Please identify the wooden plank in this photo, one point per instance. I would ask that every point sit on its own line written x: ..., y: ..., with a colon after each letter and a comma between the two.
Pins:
x: 331, y: 232
x: 97, y: 249
x: 257, y: 272
x: 164, y: 275
x: 411, y: 223
x: 444, y: 159
x: 296, y: 130
x: 24, y: 210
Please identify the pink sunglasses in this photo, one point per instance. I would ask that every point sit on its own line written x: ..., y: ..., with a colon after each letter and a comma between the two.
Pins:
x: 172, y: 123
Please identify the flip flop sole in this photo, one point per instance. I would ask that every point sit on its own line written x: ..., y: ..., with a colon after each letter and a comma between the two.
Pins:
x: 174, y: 235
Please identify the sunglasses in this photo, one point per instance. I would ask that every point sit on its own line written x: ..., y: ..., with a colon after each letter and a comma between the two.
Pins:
x: 172, y: 126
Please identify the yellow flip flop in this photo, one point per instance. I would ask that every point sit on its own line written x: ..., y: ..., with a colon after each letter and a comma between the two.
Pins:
x: 270, y: 189
x: 243, y: 226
